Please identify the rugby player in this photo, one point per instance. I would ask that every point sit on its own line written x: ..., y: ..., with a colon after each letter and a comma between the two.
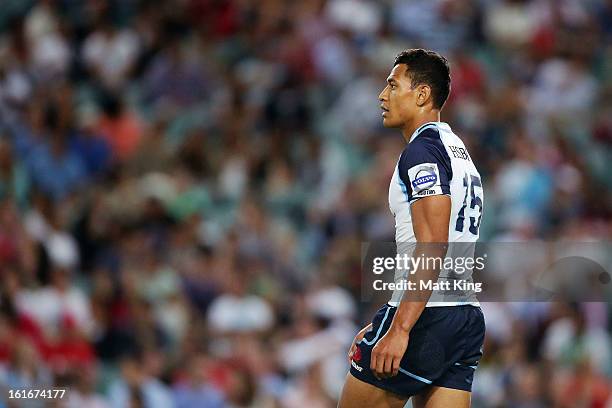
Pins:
x: 416, y: 346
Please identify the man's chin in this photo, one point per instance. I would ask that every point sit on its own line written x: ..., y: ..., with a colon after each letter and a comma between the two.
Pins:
x: 389, y: 124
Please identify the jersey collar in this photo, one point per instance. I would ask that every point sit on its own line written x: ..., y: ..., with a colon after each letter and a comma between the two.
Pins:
x: 428, y: 125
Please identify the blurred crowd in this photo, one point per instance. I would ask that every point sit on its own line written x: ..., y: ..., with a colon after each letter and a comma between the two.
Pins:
x: 185, y: 185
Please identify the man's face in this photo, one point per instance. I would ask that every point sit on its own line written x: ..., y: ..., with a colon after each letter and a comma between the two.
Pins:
x: 398, y: 99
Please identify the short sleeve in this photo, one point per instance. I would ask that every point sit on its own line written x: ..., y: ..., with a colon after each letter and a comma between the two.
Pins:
x: 425, y: 167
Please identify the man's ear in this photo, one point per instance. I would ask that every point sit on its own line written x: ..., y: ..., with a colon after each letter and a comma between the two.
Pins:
x: 423, y: 95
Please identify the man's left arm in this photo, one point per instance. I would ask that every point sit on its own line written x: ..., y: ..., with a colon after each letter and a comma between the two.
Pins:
x: 430, y: 218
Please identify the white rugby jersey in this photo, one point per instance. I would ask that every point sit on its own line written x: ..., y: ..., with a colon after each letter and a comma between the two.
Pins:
x: 436, y: 162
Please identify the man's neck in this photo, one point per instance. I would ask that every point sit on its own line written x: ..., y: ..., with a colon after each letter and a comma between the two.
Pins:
x: 408, y: 130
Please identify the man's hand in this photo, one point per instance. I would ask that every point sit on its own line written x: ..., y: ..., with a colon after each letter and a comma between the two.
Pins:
x: 388, y: 353
x: 356, y: 340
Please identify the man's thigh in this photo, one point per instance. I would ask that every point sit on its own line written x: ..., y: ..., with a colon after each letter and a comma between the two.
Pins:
x: 359, y: 394
x: 440, y: 397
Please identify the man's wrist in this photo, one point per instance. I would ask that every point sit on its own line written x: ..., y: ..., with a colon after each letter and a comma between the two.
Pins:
x: 400, y: 328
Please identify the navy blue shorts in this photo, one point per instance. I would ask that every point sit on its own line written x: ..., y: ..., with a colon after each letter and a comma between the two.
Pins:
x: 444, y: 349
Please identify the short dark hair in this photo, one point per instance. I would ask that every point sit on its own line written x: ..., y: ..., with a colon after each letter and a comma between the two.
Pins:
x: 429, y: 68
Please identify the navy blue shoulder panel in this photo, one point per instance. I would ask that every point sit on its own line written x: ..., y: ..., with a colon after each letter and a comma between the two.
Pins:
x: 426, y: 147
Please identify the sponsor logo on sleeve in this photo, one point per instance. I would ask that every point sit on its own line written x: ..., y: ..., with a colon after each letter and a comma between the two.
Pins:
x: 424, y: 177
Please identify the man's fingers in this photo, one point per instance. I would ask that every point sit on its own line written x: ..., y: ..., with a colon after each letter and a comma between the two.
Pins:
x: 373, y: 361
x: 388, y: 366
x: 380, y: 366
x: 392, y: 366
x: 396, y: 366
x: 376, y: 365
x: 384, y: 366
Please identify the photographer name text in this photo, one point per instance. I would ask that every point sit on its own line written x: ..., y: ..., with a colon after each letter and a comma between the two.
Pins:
x: 404, y: 284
